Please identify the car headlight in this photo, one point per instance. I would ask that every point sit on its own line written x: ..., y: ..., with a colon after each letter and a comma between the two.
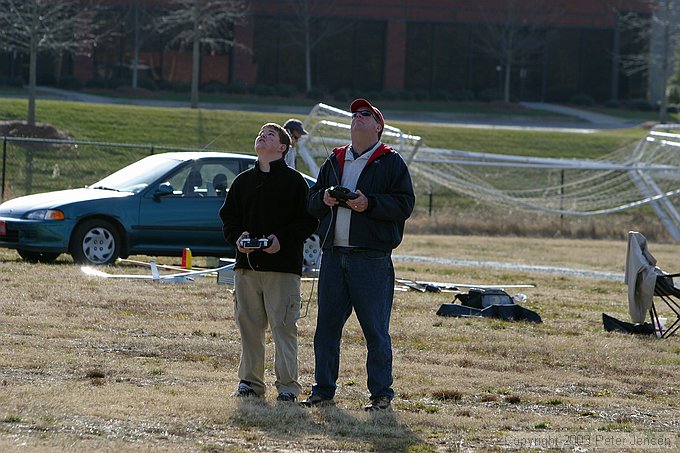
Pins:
x: 46, y: 214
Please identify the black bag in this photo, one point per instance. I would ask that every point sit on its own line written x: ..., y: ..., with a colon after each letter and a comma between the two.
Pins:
x: 488, y: 303
x: 482, y: 298
x: 611, y: 324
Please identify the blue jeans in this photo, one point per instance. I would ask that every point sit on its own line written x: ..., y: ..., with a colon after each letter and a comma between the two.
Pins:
x: 362, y: 280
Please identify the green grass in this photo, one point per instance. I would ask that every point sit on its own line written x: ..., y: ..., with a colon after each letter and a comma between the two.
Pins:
x: 467, y: 108
x: 634, y: 114
x: 232, y: 131
x: 235, y: 130
x: 485, y: 109
x: 524, y: 142
x: 207, y: 98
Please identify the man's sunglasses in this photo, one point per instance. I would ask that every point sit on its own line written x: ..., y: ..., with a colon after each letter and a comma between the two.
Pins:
x: 362, y: 113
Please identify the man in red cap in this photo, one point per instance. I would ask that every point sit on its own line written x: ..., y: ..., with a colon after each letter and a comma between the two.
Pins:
x: 362, y: 222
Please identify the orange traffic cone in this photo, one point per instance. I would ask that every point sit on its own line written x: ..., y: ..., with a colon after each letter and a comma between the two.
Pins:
x: 186, y: 258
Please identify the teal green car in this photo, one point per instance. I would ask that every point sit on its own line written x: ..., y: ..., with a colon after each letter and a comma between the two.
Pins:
x: 157, y: 206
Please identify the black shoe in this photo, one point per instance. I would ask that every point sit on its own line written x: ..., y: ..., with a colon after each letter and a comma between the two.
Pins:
x: 379, y: 403
x: 245, y: 391
x: 317, y: 401
x: 286, y: 397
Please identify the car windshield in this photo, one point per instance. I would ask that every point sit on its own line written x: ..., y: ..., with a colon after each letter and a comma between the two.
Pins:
x: 137, y: 176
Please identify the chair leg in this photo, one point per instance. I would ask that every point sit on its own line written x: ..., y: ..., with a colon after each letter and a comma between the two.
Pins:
x: 675, y: 308
x: 672, y: 329
x: 654, y: 316
x: 668, y: 329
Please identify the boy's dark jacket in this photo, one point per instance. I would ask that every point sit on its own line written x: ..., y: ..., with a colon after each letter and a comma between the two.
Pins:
x: 269, y: 203
x: 386, y: 183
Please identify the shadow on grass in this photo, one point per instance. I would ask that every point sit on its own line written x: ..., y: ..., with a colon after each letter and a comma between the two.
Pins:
x: 326, y: 428
x: 11, y: 256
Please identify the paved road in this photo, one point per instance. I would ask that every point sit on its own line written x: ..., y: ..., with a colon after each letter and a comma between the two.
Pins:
x: 76, y: 96
x: 576, y: 120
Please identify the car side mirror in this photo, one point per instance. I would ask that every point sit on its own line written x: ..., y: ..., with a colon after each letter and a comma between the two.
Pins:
x: 163, y: 190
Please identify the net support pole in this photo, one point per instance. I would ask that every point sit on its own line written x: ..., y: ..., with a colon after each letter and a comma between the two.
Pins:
x: 4, y: 166
x: 664, y: 209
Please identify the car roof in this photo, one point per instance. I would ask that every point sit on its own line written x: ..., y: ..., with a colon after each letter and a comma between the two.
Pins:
x: 192, y: 155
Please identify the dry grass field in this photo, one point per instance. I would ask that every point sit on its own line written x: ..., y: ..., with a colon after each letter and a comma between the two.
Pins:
x: 109, y: 365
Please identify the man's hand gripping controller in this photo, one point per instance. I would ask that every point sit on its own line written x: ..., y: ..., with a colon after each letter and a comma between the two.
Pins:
x: 342, y: 194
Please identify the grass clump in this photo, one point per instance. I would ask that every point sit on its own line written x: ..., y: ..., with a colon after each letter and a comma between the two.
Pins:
x: 12, y: 419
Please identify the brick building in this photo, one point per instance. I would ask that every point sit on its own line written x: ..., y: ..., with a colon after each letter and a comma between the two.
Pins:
x: 436, y: 46
x: 430, y: 48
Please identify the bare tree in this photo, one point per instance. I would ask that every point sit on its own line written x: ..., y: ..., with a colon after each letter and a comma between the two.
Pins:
x: 33, y: 26
x: 201, y: 22
x: 657, y: 37
x: 514, y: 35
x: 674, y: 83
x: 309, y: 28
x: 140, y: 17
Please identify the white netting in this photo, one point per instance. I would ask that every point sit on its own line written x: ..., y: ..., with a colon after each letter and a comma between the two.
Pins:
x: 328, y: 128
x: 631, y: 176
x: 648, y: 172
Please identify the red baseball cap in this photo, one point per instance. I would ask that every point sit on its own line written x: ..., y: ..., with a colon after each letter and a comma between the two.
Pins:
x: 361, y: 102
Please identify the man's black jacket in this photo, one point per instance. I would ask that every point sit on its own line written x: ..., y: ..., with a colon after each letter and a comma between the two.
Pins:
x: 386, y: 182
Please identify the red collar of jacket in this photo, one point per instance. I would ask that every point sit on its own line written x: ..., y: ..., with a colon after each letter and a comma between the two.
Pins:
x: 341, y: 152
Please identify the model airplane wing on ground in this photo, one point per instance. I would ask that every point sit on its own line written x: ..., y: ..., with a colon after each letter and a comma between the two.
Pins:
x: 468, y: 285
x: 92, y: 272
x: 435, y: 287
x: 181, y: 277
x: 148, y: 264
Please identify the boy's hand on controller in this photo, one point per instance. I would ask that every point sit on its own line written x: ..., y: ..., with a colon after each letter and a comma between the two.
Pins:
x: 275, y: 245
x: 243, y: 235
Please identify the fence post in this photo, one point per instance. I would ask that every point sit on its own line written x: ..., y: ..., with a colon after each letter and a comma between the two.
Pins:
x: 562, y: 201
x: 4, y: 162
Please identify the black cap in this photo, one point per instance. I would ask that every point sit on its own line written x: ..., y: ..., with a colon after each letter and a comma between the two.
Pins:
x: 295, y: 125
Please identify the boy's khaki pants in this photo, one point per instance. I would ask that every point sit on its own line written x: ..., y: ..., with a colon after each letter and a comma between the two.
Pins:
x: 272, y: 298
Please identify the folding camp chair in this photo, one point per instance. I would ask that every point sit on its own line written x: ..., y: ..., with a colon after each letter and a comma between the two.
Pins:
x: 645, y: 280
x: 666, y: 290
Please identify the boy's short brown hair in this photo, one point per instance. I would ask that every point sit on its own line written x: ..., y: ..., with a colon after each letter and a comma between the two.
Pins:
x: 284, y: 138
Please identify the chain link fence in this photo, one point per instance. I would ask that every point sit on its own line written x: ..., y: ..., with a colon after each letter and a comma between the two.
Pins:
x: 34, y: 165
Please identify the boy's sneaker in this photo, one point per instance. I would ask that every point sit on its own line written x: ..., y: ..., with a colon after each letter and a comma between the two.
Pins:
x: 317, y: 401
x: 245, y: 390
x: 379, y: 403
x: 286, y: 397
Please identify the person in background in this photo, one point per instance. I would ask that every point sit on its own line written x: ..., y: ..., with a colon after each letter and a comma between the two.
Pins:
x: 296, y: 130
x: 356, y: 266
x: 268, y: 201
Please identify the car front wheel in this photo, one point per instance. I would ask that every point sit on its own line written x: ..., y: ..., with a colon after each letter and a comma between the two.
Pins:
x: 95, y: 242
x: 312, y: 252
